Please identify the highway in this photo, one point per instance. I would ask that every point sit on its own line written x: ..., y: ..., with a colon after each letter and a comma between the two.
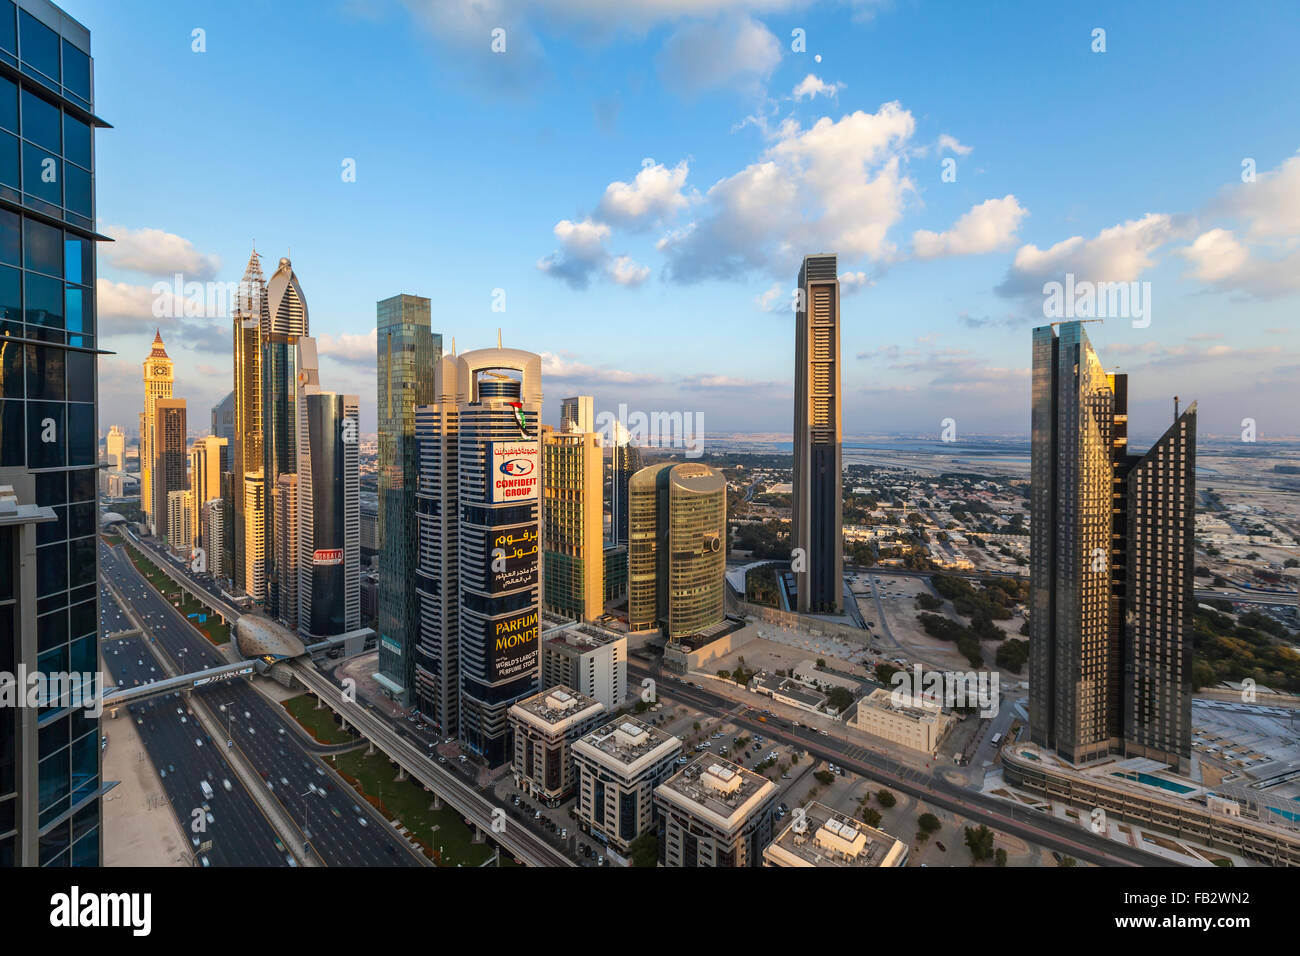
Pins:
x: 240, y: 833
x: 522, y: 843
x: 262, y: 733
x: 930, y: 787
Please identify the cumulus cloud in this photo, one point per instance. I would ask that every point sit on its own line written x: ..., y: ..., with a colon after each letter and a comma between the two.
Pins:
x: 731, y: 52
x: 654, y: 195
x: 1219, y: 259
x: 157, y: 253
x: 625, y: 272
x: 1270, y: 206
x: 1261, y: 258
x: 836, y: 185
x: 1119, y: 253
x: 582, y: 252
x: 811, y: 86
x: 985, y: 228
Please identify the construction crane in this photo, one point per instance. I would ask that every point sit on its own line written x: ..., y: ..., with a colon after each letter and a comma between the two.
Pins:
x: 1080, y: 321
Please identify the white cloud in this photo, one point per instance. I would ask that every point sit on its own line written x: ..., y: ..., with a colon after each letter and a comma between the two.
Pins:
x: 1270, y: 206
x: 348, y: 347
x: 985, y: 228
x: 948, y: 143
x: 1219, y: 259
x: 855, y: 281
x: 837, y: 185
x: 562, y: 367
x: 654, y: 195
x: 626, y: 272
x: 582, y: 251
x: 732, y: 52
x: 811, y: 86
x: 157, y: 253
x: 773, y: 299
x: 1116, y: 254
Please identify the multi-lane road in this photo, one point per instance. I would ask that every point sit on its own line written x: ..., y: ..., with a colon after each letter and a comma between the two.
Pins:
x: 306, y: 790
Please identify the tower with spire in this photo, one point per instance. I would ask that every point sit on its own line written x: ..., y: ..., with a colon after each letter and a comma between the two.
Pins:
x: 286, y: 324
x: 246, y: 498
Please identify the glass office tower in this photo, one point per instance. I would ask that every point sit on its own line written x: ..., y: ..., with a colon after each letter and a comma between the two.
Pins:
x: 287, y: 323
x: 407, y: 351
x: 50, y: 782
x: 1111, y: 564
x: 817, y: 518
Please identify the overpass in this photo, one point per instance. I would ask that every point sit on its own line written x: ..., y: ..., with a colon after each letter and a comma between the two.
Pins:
x: 118, y: 696
x: 525, y: 845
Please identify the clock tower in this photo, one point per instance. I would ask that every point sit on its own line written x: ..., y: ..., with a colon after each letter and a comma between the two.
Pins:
x: 158, y: 377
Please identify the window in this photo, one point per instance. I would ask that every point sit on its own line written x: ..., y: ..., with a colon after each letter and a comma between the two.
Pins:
x: 40, y: 45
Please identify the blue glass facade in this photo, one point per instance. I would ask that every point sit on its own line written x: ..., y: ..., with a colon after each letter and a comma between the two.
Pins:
x: 50, y: 782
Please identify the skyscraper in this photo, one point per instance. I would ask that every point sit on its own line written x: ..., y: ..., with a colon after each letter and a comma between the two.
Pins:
x: 479, y: 528
x: 115, y: 448
x: 223, y: 417
x: 1110, y: 564
x: 50, y: 782
x: 168, y: 468
x: 625, y: 461
x: 287, y: 323
x: 247, y: 544
x: 572, y: 532
x: 578, y: 414
x: 329, y: 505
x: 407, y: 352
x: 817, y: 521
x: 158, y: 378
x: 209, y: 460
x: 677, y: 551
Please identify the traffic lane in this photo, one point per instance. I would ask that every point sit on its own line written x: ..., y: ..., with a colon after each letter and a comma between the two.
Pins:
x: 241, y: 834
x: 921, y: 785
x: 295, y: 780
x: 338, y: 840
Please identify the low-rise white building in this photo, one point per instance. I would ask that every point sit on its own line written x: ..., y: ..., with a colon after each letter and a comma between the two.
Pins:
x: 917, y: 724
x: 819, y: 836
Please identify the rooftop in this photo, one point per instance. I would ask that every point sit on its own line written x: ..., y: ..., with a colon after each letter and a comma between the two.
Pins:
x: 820, y: 836
x: 628, y: 740
x: 716, y: 789
x: 557, y: 707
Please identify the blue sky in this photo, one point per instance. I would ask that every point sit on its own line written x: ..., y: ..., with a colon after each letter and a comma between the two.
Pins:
x: 641, y: 178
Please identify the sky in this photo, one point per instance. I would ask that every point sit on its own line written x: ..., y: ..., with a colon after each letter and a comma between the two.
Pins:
x: 628, y: 189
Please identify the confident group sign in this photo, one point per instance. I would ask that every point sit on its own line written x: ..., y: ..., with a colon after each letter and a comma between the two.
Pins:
x: 514, y: 471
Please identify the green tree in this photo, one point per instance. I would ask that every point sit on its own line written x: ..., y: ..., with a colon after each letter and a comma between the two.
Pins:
x: 928, y: 822
x: 886, y: 799
x: 980, y: 842
x: 644, y: 850
x: 1000, y: 858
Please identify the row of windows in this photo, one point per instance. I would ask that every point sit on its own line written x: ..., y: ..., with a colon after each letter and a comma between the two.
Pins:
x: 39, y: 434
x: 44, y: 55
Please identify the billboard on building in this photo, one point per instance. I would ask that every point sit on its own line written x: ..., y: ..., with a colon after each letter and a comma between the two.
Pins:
x: 514, y: 647
x: 515, y: 471
x: 511, y: 557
